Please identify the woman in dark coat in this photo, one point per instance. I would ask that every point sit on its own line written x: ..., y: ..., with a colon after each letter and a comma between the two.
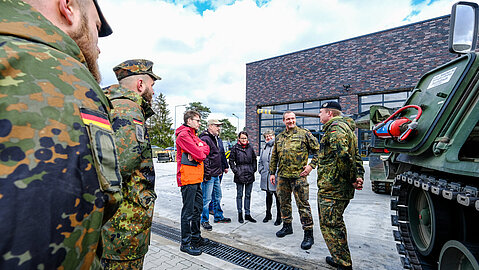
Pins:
x: 266, y: 185
x: 243, y: 164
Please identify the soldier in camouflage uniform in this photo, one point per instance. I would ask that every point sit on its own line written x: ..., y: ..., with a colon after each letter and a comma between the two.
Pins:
x: 127, y: 235
x: 340, y: 171
x: 290, y: 157
x: 59, y: 177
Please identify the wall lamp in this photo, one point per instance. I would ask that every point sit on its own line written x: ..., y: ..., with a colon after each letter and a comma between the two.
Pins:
x: 346, y: 87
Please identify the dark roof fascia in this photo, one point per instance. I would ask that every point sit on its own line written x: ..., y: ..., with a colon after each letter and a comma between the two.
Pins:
x: 336, y: 42
x: 359, y: 93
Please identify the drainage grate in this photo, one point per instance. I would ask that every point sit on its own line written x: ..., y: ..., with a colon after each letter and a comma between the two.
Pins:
x: 225, y: 252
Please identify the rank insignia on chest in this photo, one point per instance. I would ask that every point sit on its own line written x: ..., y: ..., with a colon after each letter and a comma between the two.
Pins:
x: 140, y: 131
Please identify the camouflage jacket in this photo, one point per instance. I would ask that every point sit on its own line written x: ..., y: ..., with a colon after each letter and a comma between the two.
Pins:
x: 291, y: 150
x: 54, y: 123
x: 127, y: 235
x: 339, y: 160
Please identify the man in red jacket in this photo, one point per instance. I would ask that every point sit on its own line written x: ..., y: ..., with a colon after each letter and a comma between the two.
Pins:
x: 190, y: 153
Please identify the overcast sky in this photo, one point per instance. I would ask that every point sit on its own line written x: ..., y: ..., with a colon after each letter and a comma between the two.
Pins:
x: 201, y: 48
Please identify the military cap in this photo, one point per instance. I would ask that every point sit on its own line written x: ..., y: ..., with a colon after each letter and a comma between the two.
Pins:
x: 135, y: 67
x: 214, y: 122
x: 331, y: 105
x: 105, y: 29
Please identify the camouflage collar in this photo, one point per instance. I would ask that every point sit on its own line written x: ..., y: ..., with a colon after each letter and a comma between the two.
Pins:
x: 293, y: 130
x: 21, y: 20
x: 147, y: 110
x: 115, y: 91
x: 330, y: 122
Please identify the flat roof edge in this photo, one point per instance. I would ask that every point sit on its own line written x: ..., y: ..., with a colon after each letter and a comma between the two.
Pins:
x: 336, y: 42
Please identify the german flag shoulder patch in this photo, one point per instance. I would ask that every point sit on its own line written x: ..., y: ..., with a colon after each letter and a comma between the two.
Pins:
x: 96, y: 118
x: 138, y: 122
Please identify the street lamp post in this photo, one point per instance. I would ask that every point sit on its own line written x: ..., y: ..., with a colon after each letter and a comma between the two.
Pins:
x: 237, y: 128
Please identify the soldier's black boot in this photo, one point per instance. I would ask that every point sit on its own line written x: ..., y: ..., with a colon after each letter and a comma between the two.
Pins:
x: 240, y: 218
x: 308, y: 240
x: 287, y: 229
x: 330, y: 261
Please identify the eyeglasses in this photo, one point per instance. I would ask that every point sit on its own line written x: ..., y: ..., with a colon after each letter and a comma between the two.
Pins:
x: 197, y: 120
x: 243, y: 138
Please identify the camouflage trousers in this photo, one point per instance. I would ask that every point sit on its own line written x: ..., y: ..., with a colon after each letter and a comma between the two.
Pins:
x: 136, y: 264
x: 300, y: 188
x: 333, y: 229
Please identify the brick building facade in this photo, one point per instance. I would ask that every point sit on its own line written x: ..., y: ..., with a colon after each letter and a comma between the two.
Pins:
x: 384, y: 62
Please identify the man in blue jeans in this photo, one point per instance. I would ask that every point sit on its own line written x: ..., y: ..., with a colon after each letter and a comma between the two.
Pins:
x: 214, y: 205
x: 213, y: 170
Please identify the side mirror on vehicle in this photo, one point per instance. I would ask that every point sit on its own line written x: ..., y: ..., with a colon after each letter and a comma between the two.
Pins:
x: 463, y: 27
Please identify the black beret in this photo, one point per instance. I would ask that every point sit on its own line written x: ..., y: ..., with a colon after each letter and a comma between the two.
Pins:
x: 331, y: 105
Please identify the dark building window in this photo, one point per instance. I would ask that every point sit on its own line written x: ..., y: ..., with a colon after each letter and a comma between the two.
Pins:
x: 275, y: 121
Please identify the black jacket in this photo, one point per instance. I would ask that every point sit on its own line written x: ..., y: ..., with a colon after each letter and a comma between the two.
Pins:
x: 243, y: 163
x: 213, y: 166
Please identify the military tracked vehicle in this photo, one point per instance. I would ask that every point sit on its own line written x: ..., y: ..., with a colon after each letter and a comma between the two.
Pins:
x: 434, y: 159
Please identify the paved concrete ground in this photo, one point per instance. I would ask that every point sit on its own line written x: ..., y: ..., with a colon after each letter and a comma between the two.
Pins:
x: 165, y: 254
x: 367, y: 219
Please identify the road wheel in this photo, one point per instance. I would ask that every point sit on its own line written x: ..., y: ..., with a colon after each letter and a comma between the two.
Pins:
x: 456, y: 255
x: 429, y: 221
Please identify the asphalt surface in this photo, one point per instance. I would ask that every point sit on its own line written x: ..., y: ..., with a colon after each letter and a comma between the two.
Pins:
x: 367, y: 220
